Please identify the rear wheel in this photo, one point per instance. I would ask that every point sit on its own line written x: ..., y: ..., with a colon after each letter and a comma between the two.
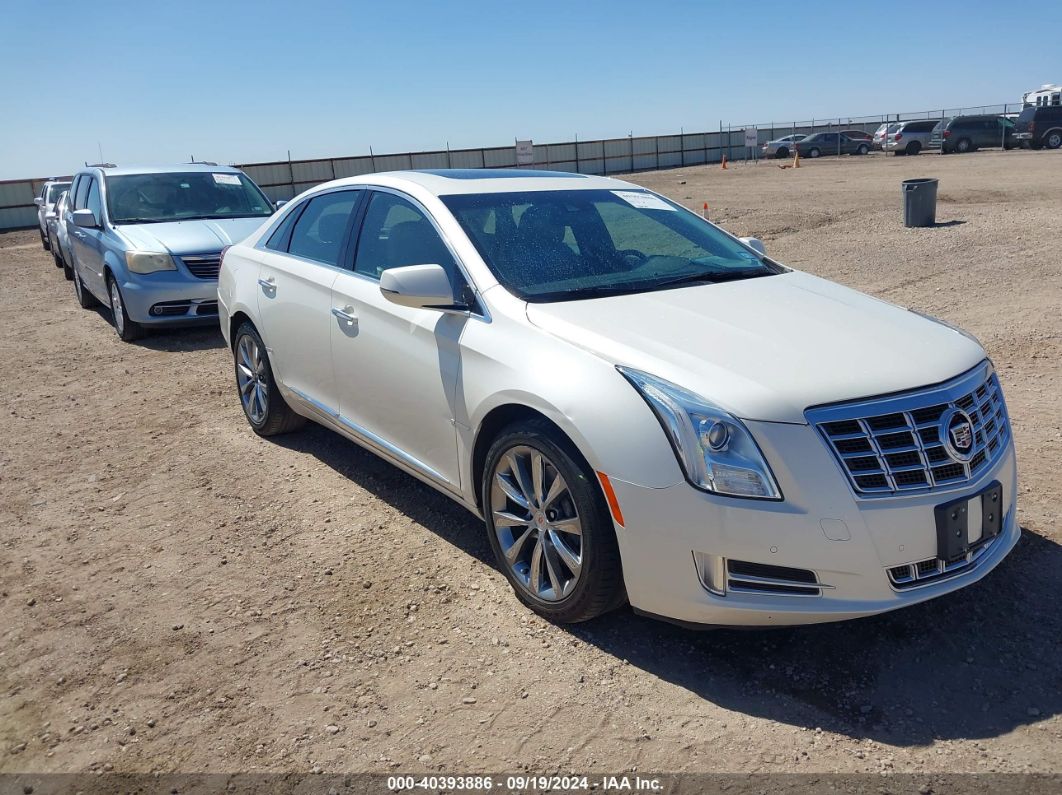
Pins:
x: 913, y: 148
x: 963, y: 145
x: 85, y: 299
x: 1053, y: 140
x: 549, y: 526
x: 127, y: 329
x: 863, y: 149
x: 814, y: 152
x: 263, y: 405
x: 782, y: 153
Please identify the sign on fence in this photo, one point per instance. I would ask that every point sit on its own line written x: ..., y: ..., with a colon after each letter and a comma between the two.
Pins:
x: 525, y: 153
x: 752, y: 137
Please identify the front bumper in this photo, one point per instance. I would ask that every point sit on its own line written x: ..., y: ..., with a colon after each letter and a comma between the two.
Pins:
x: 167, y: 292
x: 849, y: 543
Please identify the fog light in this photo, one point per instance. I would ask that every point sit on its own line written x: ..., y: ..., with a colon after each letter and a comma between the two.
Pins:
x: 711, y: 571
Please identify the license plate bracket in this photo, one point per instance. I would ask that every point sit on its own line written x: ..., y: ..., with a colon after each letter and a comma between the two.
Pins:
x: 952, y: 518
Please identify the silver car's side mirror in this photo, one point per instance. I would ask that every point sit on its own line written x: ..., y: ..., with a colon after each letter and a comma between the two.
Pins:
x: 755, y: 243
x: 279, y: 203
x: 85, y: 219
x: 421, y: 286
x: 38, y: 200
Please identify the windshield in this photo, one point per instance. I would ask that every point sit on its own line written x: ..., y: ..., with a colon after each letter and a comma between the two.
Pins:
x: 54, y: 191
x: 570, y: 244
x: 155, y: 198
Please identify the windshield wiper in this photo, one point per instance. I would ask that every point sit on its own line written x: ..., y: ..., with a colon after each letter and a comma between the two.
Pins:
x: 712, y: 277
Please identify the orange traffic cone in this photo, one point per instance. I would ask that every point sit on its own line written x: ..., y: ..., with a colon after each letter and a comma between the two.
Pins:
x: 724, y: 162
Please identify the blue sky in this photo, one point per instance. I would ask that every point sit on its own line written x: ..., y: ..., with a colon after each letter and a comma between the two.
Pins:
x: 237, y: 81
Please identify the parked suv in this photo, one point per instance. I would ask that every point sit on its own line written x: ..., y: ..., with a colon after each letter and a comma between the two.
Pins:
x: 49, y: 195
x: 641, y: 406
x: 1039, y: 127
x: 147, y: 241
x: 831, y: 143
x: 967, y: 133
x: 909, y: 137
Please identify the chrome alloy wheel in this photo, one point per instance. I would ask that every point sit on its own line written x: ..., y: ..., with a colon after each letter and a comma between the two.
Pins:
x: 117, y: 309
x: 536, y: 523
x: 251, y: 379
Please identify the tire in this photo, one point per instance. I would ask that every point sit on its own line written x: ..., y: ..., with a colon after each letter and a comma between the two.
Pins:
x: 913, y: 148
x: 68, y: 272
x: 964, y: 145
x: 44, y: 239
x: 127, y: 329
x: 55, y: 256
x: 782, y: 153
x: 256, y: 386
x: 1053, y: 140
x: 863, y: 149
x: 85, y: 299
x: 814, y: 152
x: 564, y: 576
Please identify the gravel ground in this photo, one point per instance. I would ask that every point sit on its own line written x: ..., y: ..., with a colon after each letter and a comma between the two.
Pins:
x: 177, y: 594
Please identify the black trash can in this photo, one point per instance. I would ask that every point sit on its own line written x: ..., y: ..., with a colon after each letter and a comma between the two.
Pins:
x: 919, y: 201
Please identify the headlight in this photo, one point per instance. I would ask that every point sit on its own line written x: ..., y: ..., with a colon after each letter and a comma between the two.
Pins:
x: 716, y: 451
x: 149, y: 261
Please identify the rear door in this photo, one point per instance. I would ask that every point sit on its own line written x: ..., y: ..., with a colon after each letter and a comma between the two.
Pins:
x: 88, y: 243
x: 298, y: 265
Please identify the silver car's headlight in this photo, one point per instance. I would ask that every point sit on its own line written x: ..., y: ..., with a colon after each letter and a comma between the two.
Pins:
x: 716, y: 451
x: 149, y: 261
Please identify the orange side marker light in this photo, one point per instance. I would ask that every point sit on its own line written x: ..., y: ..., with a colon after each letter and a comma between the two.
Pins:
x: 610, y: 498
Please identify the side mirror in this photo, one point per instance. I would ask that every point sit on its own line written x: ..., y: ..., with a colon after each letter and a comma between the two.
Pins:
x: 755, y: 243
x: 421, y: 286
x: 85, y: 219
x: 38, y: 200
x: 279, y: 203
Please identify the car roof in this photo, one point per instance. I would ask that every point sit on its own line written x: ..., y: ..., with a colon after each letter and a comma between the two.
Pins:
x: 445, y: 182
x: 175, y: 168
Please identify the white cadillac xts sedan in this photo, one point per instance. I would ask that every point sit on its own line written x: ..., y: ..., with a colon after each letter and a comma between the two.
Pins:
x: 640, y: 406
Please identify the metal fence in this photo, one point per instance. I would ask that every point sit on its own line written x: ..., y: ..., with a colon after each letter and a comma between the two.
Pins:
x: 287, y: 178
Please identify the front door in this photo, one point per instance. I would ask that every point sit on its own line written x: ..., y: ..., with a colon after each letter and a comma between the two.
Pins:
x: 297, y: 268
x: 397, y: 367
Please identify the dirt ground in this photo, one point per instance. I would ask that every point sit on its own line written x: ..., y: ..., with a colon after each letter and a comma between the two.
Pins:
x: 177, y: 594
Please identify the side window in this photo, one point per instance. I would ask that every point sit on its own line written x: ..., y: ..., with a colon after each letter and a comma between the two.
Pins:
x: 319, y: 232
x: 278, y: 241
x: 396, y: 233
x: 82, y: 191
x: 92, y: 201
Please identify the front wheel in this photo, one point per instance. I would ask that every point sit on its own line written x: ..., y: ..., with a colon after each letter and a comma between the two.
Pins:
x: 127, y: 329
x: 549, y: 526
x: 44, y: 240
x: 263, y: 405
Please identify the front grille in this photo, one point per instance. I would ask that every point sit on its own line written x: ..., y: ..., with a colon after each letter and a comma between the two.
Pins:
x: 203, y: 266
x: 762, y: 578
x: 895, y: 444
x: 924, y: 572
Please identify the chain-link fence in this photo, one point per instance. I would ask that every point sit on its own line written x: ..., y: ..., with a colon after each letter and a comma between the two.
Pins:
x: 286, y: 178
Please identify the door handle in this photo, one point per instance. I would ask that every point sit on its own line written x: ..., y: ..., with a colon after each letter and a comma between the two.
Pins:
x: 268, y: 284
x: 346, y: 314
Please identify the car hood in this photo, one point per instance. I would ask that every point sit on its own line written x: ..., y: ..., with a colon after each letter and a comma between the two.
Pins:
x: 189, y: 237
x: 766, y: 348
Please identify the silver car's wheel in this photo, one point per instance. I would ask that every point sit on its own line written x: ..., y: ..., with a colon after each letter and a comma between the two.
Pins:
x: 251, y: 379
x: 536, y: 523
